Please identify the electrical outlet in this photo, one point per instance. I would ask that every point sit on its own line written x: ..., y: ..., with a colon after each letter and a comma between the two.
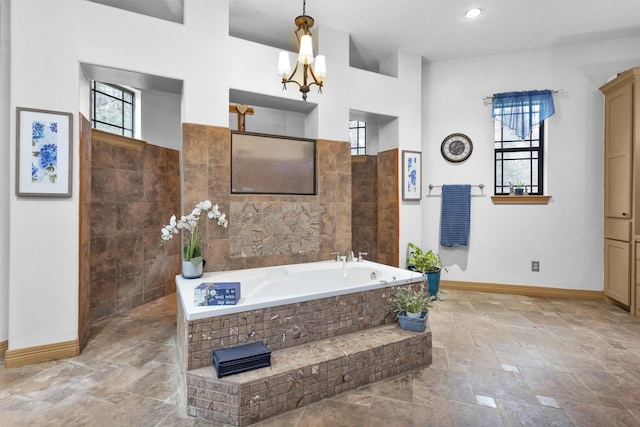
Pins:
x: 535, y: 265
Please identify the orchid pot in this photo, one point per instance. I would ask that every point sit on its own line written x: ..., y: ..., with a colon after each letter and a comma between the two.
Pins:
x: 191, y: 270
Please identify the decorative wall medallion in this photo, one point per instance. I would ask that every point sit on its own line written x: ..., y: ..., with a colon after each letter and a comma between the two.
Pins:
x: 456, y: 147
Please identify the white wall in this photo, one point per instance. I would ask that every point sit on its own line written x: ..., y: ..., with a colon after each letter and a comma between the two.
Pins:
x: 5, y: 161
x: 271, y: 121
x: 43, y: 233
x: 84, y: 94
x: 160, y: 119
x: 566, y: 235
x: 43, y: 236
x: 372, y: 138
x: 43, y: 278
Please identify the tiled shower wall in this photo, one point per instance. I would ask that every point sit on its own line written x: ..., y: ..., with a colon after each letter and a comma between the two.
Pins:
x: 84, y: 291
x: 135, y: 188
x: 364, y: 221
x: 266, y: 229
x: 388, y: 208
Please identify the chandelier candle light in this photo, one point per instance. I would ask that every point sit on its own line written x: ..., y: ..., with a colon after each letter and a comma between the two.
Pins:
x: 303, y: 74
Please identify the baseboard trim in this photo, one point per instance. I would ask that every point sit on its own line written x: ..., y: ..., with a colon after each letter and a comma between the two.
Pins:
x: 533, y: 291
x: 4, y: 345
x: 41, y: 353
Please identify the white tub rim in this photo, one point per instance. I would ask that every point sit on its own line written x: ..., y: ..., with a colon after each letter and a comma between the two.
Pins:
x: 185, y: 287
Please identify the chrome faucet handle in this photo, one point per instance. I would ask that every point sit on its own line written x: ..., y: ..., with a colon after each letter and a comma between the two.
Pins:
x: 349, y: 255
x: 360, y: 259
x: 337, y: 254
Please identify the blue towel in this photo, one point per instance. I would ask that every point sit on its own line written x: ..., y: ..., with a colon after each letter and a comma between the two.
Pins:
x: 455, y: 215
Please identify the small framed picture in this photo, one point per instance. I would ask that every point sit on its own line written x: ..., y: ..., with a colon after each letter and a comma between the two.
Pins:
x: 411, y: 175
x: 43, y: 153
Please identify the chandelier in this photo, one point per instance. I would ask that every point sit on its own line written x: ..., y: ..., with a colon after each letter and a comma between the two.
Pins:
x: 303, y: 74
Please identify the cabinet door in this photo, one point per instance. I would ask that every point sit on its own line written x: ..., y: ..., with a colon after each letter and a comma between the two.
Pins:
x: 637, y: 278
x: 617, y: 283
x: 618, y: 152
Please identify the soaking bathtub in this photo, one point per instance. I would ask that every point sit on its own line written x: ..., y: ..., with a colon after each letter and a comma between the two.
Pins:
x: 328, y: 324
x: 287, y: 284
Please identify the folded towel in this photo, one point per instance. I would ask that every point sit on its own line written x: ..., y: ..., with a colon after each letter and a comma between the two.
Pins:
x: 455, y: 215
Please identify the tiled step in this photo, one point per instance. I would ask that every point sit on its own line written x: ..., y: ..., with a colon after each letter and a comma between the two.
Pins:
x: 306, y: 373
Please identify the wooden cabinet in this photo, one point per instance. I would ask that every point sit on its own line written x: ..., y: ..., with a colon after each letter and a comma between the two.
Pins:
x: 617, y: 270
x: 637, y: 278
x: 618, y: 152
x: 621, y: 188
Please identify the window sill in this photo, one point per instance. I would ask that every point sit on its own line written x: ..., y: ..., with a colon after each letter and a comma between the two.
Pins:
x: 521, y: 200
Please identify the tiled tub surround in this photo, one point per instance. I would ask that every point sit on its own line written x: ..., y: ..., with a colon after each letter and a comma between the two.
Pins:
x: 285, y: 306
x: 322, y: 344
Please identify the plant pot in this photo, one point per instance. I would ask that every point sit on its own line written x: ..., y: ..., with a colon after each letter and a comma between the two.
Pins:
x: 519, y: 191
x: 191, y: 270
x: 417, y: 324
x: 433, y: 278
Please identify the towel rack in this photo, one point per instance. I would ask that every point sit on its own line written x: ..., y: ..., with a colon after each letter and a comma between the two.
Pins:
x: 480, y: 186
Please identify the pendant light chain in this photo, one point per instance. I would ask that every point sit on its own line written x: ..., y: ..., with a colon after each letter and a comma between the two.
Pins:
x: 307, y: 75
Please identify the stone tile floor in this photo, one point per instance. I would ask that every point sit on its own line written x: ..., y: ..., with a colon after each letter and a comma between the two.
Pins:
x: 498, y: 360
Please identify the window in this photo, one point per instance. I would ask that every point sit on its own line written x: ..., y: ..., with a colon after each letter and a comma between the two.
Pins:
x: 518, y: 161
x: 519, y: 120
x: 112, y: 108
x: 358, y: 137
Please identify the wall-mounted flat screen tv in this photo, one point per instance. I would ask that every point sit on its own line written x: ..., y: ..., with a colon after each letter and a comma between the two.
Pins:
x: 270, y: 164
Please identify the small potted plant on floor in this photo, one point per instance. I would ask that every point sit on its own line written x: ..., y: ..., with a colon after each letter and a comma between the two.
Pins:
x: 411, y: 307
x: 427, y: 263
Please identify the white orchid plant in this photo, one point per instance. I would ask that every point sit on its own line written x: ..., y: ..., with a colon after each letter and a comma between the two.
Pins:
x: 191, y: 250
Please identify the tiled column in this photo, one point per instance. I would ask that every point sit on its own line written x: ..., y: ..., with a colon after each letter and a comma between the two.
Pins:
x: 388, y: 208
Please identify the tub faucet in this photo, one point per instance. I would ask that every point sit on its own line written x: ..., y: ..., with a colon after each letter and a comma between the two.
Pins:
x: 349, y: 255
x: 337, y: 254
x: 360, y: 259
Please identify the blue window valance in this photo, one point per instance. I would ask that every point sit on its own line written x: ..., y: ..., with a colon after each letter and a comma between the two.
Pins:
x: 522, y: 111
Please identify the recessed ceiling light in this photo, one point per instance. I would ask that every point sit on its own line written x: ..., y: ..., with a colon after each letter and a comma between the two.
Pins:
x: 473, y: 13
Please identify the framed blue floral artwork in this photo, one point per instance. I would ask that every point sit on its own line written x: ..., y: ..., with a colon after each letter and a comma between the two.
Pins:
x: 411, y: 175
x: 43, y: 152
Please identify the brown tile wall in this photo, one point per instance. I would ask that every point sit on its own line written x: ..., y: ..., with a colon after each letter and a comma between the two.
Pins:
x: 84, y: 282
x: 135, y: 188
x: 364, y: 222
x: 311, y: 226
x: 388, y: 208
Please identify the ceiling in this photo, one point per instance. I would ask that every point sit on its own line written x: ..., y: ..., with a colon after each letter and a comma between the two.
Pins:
x: 434, y: 29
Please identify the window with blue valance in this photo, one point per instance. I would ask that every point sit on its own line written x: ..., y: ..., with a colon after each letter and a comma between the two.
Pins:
x: 522, y: 111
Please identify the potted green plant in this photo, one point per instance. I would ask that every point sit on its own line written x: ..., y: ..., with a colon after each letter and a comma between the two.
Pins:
x: 519, y: 188
x: 427, y: 263
x: 411, y: 307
